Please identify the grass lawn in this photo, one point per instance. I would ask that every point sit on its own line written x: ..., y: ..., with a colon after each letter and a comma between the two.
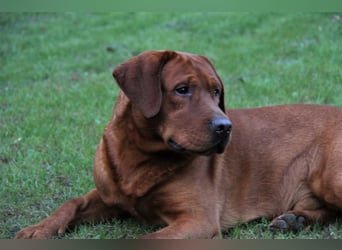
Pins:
x: 57, y: 94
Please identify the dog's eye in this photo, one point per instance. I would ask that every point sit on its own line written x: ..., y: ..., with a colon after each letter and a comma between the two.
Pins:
x: 183, y: 91
x: 217, y: 92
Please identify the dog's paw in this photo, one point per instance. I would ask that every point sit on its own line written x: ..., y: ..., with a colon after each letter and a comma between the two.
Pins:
x: 287, y: 222
x: 38, y: 232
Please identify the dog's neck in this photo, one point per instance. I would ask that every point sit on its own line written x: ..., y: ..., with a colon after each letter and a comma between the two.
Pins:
x: 139, y: 152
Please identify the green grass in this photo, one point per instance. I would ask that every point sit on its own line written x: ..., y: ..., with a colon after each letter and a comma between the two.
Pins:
x: 57, y: 93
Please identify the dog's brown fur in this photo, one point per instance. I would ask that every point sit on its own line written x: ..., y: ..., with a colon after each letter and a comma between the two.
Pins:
x: 160, y: 158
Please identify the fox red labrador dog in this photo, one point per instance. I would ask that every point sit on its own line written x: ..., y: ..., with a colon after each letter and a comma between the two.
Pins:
x: 173, y: 156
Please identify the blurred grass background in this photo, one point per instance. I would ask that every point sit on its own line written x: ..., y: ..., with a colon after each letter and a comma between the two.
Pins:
x: 57, y: 93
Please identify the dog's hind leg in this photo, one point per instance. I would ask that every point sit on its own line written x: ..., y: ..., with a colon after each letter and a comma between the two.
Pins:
x: 323, y: 200
x: 305, y: 212
x: 89, y: 207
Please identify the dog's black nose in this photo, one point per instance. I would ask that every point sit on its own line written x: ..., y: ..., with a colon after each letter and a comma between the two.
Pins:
x: 221, y: 126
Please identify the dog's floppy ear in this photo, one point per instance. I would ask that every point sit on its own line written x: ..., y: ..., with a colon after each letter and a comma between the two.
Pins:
x: 139, y: 78
x: 221, y: 104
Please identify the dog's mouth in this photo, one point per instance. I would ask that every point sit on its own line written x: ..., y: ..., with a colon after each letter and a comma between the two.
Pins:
x: 175, y: 146
x: 218, y: 147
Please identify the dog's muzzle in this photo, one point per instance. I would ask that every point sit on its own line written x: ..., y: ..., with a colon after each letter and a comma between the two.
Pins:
x: 220, y: 128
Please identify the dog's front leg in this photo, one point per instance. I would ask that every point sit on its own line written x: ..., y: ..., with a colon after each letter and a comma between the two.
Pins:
x: 188, y: 229
x: 89, y: 207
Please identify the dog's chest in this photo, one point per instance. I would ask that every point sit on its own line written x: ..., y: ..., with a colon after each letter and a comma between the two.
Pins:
x: 148, y: 198
x: 149, y: 209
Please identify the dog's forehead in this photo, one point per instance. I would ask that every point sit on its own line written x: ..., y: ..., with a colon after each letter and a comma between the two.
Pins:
x: 190, y: 64
x: 195, y: 60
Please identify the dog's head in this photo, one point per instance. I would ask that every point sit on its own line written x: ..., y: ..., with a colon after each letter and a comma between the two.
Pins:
x: 183, y: 93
